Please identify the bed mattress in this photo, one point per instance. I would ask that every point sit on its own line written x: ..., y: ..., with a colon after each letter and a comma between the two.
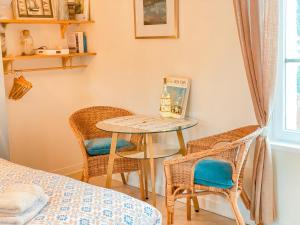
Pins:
x: 73, y: 202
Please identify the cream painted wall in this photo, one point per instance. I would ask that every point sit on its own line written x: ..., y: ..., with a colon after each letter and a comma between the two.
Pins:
x: 40, y: 136
x: 127, y: 73
x: 287, y: 181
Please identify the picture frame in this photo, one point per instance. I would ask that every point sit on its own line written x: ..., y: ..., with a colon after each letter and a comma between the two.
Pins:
x: 156, y: 19
x: 33, y: 9
x: 83, y: 10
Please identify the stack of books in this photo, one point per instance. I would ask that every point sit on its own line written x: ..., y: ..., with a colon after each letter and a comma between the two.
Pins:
x: 77, y: 42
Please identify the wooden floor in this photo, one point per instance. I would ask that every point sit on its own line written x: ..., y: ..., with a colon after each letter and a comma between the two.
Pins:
x: 200, y: 218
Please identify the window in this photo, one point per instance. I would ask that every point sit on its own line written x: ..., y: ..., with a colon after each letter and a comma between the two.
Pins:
x: 287, y: 112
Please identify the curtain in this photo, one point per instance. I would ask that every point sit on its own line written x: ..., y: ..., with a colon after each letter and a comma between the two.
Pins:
x: 257, y: 22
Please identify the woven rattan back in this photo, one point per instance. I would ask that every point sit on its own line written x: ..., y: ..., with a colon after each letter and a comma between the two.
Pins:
x: 236, y: 150
x: 84, y: 121
x: 231, y: 146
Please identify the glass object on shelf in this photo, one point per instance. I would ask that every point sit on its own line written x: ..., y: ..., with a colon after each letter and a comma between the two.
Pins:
x: 72, y: 9
x: 165, y: 101
x: 63, y: 10
x: 27, y: 43
x: 5, y: 9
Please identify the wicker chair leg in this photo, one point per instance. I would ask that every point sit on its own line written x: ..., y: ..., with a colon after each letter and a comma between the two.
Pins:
x: 196, y: 204
x: 170, y: 215
x: 169, y: 220
x: 234, y: 204
x: 123, y: 179
x: 84, y: 177
x: 188, y: 209
x: 142, y: 189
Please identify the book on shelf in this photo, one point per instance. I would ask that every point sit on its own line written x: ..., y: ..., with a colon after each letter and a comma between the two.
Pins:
x: 77, y: 42
x: 174, y: 97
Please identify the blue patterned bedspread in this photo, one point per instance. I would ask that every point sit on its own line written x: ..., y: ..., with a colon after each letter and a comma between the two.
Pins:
x: 76, y: 203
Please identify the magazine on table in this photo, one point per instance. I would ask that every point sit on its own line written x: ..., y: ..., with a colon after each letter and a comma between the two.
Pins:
x: 174, y: 97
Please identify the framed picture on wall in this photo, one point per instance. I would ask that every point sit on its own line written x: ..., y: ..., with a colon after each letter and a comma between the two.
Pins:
x: 30, y: 9
x: 156, y: 18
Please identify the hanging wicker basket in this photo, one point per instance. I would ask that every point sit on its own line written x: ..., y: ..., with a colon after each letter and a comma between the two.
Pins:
x: 20, y: 87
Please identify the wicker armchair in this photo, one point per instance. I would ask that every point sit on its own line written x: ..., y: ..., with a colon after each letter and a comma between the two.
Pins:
x: 83, y: 123
x: 230, y: 147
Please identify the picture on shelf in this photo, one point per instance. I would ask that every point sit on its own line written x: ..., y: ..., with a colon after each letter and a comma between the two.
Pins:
x: 33, y: 9
x: 174, y: 97
x: 82, y: 9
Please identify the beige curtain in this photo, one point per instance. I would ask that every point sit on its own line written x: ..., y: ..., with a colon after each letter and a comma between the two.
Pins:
x: 258, y: 22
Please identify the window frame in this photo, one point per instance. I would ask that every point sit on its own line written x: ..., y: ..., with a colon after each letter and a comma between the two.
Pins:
x: 278, y: 125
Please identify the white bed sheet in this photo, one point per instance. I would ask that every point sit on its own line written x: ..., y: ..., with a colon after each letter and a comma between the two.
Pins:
x: 76, y: 203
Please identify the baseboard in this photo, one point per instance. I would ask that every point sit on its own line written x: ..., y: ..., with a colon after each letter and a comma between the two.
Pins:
x: 69, y: 170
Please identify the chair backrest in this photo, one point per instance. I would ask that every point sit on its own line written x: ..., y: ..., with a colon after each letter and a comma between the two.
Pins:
x: 237, y: 148
x: 84, y: 121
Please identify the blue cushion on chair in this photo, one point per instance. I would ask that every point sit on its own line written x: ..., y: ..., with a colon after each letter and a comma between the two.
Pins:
x: 101, y: 146
x: 213, y: 173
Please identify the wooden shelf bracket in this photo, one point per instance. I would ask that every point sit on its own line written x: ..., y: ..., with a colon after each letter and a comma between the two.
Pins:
x: 8, y: 67
x: 63, y: 29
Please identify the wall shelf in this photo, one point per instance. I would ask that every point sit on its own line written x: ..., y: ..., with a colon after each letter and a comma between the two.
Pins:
x: 63, y: 23
x: 65, y: 58
x: 43, y: 21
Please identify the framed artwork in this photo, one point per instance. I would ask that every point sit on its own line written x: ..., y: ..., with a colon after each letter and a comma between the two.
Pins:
x: 33, y: 9
x: 156, y: 18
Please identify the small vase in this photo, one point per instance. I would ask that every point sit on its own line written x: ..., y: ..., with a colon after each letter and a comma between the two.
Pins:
x: 27, y: 43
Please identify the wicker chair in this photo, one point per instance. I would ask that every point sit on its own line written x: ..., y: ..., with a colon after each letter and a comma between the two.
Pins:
x: 83, y: 123
x: 230, y: 147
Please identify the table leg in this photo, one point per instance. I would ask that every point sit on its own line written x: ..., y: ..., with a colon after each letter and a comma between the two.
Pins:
x: 111, y: 160
x: 183, y: 152
x: 145, y: 177
x: 152, y: 169
x: 141, y: 179
x: 145, y: 161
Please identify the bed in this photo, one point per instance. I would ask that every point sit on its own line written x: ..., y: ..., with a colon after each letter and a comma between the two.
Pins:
x: 73, y: 202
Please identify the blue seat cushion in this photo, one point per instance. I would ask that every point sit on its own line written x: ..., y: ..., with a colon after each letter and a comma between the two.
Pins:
x: 213, y: 173
x: 101, y: 146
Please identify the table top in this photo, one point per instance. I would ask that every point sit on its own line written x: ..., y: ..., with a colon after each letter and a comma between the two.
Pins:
x: 140, y: 124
